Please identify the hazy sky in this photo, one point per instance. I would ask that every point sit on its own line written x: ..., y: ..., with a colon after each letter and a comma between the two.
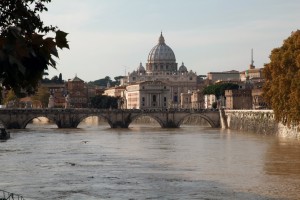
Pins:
x: 111, y: 37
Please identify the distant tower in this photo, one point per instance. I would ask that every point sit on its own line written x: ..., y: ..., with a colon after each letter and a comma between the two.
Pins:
x: 252, y: 61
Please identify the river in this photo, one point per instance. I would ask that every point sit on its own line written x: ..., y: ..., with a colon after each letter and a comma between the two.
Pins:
x: 148, y: 162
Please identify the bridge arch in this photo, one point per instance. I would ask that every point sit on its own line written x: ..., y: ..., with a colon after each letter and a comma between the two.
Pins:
x: 203, y: 116
x: 157, y: 119
x: 85, y: 116
x: 31, y: 117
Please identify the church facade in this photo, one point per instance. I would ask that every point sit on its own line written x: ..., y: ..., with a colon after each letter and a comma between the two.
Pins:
x: 163, y: 74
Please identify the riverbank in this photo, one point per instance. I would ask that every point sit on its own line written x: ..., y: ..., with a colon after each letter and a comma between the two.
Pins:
x: 257, y: 121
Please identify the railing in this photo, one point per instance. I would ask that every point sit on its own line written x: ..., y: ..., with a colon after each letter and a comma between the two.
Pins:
x: 4, y: 195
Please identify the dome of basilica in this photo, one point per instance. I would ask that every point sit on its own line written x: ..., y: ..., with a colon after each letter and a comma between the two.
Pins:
x: 141, y: 68
x: 161, y: 53
x: 182, y: 68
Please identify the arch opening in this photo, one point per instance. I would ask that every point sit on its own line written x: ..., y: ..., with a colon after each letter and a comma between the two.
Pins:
x: 39, y: 121
x: 93, y: 121
x: 196, y: 120
x: 145, y: 120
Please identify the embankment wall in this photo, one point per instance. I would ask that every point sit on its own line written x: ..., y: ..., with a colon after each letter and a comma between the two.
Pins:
x: 258, y: 121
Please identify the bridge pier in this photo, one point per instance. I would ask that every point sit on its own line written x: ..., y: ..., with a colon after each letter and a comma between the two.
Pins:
x: 13, y: 125
x: 66, y: 120
x: 64, y: 124
x: 169, y: 124
x: 119, y: 124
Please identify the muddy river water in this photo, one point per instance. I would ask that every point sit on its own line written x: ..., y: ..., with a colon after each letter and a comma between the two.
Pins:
x: 148, y: 162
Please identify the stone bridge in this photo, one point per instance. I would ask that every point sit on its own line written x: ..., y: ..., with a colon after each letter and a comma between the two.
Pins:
x: 116, y: 118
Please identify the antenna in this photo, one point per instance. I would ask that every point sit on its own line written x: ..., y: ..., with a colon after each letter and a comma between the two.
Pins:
x: 252, y: 61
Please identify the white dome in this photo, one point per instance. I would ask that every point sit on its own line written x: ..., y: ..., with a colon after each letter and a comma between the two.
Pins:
x: 182, y: 68
x: 141, y: 68
x: 161, y: 53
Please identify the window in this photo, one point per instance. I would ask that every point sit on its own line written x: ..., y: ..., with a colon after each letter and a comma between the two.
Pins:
x: 175, y: 99
x: 165, y: 99
x: 143, y: 99
x: 154, y: 98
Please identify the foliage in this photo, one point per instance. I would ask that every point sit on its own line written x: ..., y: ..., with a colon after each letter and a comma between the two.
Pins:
x: 104, y: 102
x: 54, y: 79
x: 25, y: 52
x: 117, y: 80
x: 214, y: 105
x: 282, y: 85
x: 10, y: 98
x: 103, y: 81
x: 219, y: 89
x: 42, y: 95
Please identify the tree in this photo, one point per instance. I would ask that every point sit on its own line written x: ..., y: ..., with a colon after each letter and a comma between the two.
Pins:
x: 25, y: 51
x: 117, y: 80
x: 104, y: 102
x: 11, y: 100
x: 55, y: 79
x: 219, y: 89
x: 282, y: 85
x: 42, y: 95
x: 60, y: 80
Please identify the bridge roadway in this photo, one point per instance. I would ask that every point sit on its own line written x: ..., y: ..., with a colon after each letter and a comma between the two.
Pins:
x: 18, y: 118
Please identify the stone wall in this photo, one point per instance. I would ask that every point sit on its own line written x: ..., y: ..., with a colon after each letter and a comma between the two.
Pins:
x: 257, y: 121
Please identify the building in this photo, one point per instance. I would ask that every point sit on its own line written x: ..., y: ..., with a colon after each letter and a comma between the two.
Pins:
x: 255, y: 74
x: 209, y: 100
x: 197, y: 99
x: 147, y: 95
x: 227, y: 76
x: 186, y: 100
x: 238, y: 99
x: 57, y: 92
x: 117, y: 91
x: 77, y: 93
x: 161, y: 67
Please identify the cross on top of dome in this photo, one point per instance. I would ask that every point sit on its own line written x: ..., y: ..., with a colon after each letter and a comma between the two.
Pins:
x: 161, y: 39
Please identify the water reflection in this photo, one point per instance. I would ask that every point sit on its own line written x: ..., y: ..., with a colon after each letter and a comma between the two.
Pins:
x: 283, y: 158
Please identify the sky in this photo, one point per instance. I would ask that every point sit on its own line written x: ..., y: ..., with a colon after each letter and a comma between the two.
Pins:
x: 111, y: 37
